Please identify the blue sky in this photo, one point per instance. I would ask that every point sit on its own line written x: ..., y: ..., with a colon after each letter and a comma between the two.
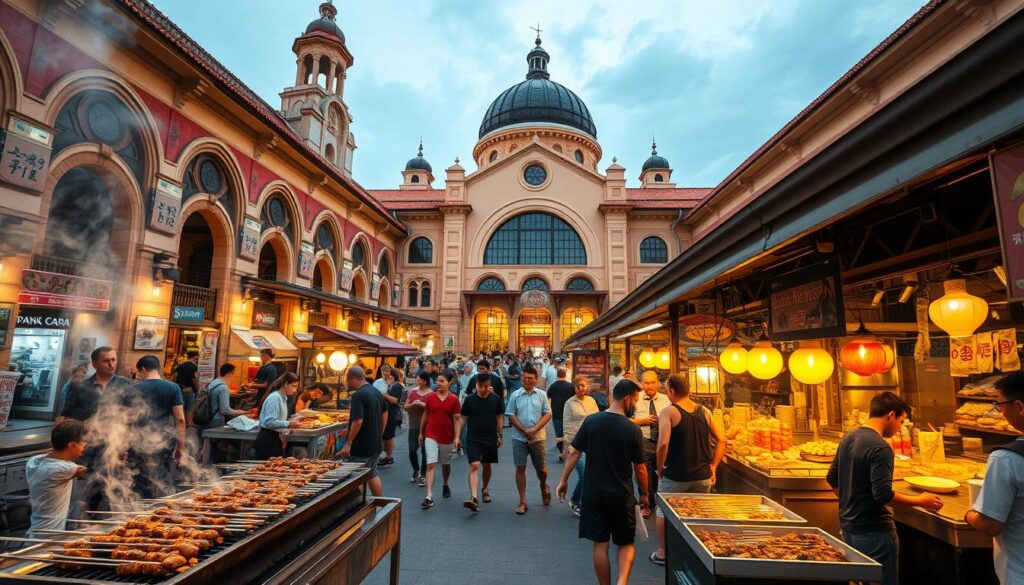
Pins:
x: 711, y: 79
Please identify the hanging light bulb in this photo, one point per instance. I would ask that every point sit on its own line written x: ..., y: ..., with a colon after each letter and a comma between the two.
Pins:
x: 664, y: 360
x: 811, y: 364
x: 764, y: 362
x: 734, y: 358
x: 648, y: 358
x: 321, y: 358
x: 353, y: 360
x: 338, y: 361
x: 863, y: 356
x: 958, y: 312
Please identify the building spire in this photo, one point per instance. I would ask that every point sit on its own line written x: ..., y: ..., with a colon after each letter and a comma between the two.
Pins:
x: 419, y: 153
x: 654, y: 147
x: 538, y: 59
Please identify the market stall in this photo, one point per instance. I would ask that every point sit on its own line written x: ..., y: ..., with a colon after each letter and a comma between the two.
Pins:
x: 320, y: 435
x: 338, y: 349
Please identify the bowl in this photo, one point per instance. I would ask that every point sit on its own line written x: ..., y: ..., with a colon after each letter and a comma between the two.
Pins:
x: 937, y: 485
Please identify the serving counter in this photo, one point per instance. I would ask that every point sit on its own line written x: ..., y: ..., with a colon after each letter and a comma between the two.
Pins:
x: 319, y: 443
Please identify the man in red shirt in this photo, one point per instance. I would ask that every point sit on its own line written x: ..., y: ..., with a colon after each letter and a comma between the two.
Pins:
x: 437, y: 433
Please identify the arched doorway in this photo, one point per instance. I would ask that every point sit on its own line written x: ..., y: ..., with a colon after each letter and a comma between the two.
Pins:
x: 358, y: 292
x: 490, y: 330
x: 81, y: 221
x: 273, y: 263
x: 534, y: 331
x: 323, y: 276
x: 574, y: 319
x: 196, y: 251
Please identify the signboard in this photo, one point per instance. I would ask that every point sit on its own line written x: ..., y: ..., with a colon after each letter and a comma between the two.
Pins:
x: 375, y: 287
x: 47, y: 289
x: 250, y: 239
x: 6, y: 310
x: 592, y: 363
x: 265, y: 315
x: 449, y: 343
x: 166, y: 207
x: 207, y: 358
x: 345, y: 283
x: 396, y: 293
x: 306, y: 260
x: 25, y: 160
x: 807, y: 303
x: 193, y: 314
x: 534, y: 298
x: 1008, y: 189
x: 38, y: 319
x: 150, y: 333
x: 8, y: 382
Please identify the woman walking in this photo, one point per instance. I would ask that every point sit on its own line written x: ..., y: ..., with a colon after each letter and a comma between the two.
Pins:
x: 415, y: 404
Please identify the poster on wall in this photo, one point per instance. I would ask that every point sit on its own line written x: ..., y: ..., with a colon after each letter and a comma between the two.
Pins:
x: 807, y: 303
x: 345, y: 282
x: 8, y: 382
x: 396, y: 295
x: 306, y: 260
x: 150, y: 333
x: 25, y: 159
x: 449, y: 343
x: 375, y: 287
x: 592, y: 363
x: 250, y: 239
x: 166, y: 206
x: 207, y: 358
x: 48, y: 289
x: 1008, y: 189
x: 83, y: 350
x: 6, y: 310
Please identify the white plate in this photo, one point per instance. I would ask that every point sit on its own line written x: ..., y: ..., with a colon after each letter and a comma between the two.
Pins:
x: 938, y: 485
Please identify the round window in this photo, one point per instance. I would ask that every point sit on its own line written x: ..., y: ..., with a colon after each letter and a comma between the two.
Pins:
x: 277, y: 214
x: 535, y: 175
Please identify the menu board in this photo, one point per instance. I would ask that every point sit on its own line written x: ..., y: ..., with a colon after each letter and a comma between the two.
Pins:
x: 807, y: 303
x: 592, y: 363
x: 207, y: 358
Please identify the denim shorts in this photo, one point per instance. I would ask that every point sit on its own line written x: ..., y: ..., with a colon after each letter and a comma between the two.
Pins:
x: 883, y: 546
x: 370, y: 462
x: 668, y: 486
x: 521, y: 451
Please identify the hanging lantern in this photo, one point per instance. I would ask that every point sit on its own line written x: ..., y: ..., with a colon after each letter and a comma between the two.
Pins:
x: 704, y: 375
x: 353, y: 360
x: 664, y: 360
x: 338, y: 361
x: 890, y: 359
x: 764, y: 361
x: 648, y: 358
x: 958, y: 312
x: 321, y: 358
x: 811, y: 364
x: 734, y: 358
x: 863, y: 356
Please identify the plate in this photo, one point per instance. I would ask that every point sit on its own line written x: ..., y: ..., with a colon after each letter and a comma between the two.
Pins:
x: 816, y: 458
x: 938, y: 485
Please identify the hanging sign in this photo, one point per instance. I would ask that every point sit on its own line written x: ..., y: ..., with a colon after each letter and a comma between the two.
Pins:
x: 1008, y: 189
x: 266, y: 315
x: 1004, y: 343
x: 250, y: 239
x: 47, y: 289
x: 807, y: 303
x: 191, y: 314
x: 375, y: 287
x: 166, y: 206
x: 345, y: 283
x: 592, y: 363
x: 306, y: 260
x: 25, y: 160
x: 207, y: 358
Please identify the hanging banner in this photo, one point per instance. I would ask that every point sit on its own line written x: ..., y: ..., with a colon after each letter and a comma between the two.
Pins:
x: 345, y: 283
x: 1008, y: 188
x: 207, y: 358
x: 807, y: 303
x: 592, y: 363
x: 250, y: 239
x: 306, y: 260
x: 8, y: 382
x: 963, y: 356
x: 47, y: 289
x: 166, y: 207
x: 375, y: 287
x: 25, y: 159
x: 1004, y: 342
x: 985, y: 353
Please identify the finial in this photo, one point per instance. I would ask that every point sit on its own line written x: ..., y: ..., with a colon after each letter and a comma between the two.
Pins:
x: 456, y: 160
x: 537, y: 28
x: 615, y: 159
x: 420, y: 152
x: 328, y: 10
x: 654, y: 147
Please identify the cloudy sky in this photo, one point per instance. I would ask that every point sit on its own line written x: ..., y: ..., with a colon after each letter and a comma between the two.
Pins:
x: 711, y: 79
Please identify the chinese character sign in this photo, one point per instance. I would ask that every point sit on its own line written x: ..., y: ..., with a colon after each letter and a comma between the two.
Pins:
x: 25, y: 160
x: 250, y: 239
x: 375, y: 287
x: 306, y: 260
x: 345, y: 283
x: 166, y: 207
x: 1008, y: 188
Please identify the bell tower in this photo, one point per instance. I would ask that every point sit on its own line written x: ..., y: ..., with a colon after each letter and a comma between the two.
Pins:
x: 314, y: 107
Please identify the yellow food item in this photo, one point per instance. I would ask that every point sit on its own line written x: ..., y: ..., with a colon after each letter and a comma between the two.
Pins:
x: 822, y: 448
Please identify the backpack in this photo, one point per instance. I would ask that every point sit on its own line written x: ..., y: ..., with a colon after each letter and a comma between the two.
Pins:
x: 203, y: 412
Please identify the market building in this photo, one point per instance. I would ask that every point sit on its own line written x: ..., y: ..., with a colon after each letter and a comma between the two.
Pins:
x: 872, y: 244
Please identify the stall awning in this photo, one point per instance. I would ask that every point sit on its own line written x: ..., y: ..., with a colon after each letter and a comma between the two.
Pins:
x: 246, y: 342
x: 377, y: 344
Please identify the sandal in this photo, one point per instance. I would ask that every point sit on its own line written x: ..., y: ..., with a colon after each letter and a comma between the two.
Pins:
x: 656, y: 560
x: 521, y: 509
x: 487, y: 497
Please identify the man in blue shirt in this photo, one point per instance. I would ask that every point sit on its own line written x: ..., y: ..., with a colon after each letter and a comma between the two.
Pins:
x: 999, y: 510
x: 528, y: 411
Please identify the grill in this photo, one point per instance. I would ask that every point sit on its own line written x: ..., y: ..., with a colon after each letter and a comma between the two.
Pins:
x: 336, y: 527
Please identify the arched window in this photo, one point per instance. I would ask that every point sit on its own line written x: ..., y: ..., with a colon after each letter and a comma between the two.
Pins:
x: 329, y: 153
x: 325, y: 239
x: 359, y: 254
x: 81, y: 220
x: 384, y: 268
x: 535, y: 283
x: 537, y: 239
x: 421, y: 251
x: 493, y: 157
x: 653, y: 250
x: 579, y: 283
x: 206, y: 174
x: 275, y: 215
x: 414, y: 179
x: 414, y: 295
x: 491, y: 283
x: 658, y: 178
x: 579, y: 156
x: 425, y: 294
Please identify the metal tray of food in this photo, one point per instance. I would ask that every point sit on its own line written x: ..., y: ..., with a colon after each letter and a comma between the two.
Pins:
x: 856, y: 568
x: 732, y: 503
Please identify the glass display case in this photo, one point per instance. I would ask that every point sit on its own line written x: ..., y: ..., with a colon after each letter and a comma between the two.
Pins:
x: 37, y: 354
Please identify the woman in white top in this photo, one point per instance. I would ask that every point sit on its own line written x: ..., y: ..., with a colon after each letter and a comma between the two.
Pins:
x: 274, y: 425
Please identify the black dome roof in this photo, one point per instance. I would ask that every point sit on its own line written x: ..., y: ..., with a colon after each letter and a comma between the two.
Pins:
x: 538, y: 99
x: 655, y: 161
x: 418, y: 163
x: 326, y: 22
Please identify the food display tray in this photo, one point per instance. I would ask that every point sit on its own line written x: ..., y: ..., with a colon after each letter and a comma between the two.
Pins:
x: 859, y: 567
x: 791, y: 519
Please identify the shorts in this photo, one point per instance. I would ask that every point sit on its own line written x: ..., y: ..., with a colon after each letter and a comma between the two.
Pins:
x: 370, y: 462
x: 390, y: 429
x: 483, y: 452
x: 535, y: 451
x: 669, y: 486
x: 436, y: 452
x: 557, y: 423
x: 599, y: 521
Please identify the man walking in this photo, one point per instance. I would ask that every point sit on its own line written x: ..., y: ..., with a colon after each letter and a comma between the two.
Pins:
x: 577, y: 408
x: 615, y: 451
x: 159, y: 423
x: 558, y: 393
x: 652, y: 402
x: 861, y: 474
x: 483, y: 413
x: 999, y: 510
x: 528, y: 411
x: 368, y: 415
x: 437, y: 434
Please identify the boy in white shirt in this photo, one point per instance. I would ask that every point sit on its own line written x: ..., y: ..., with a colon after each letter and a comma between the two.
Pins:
x: 51, y: 475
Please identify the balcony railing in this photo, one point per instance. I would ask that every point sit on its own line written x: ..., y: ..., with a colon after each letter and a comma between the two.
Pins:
x: 69, y: 267
x: 187, y: 295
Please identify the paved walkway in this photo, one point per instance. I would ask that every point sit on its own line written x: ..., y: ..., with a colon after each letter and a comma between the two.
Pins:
x: 449, y: 545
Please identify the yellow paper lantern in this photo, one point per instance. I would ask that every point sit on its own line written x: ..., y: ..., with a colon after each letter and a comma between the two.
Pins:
x: 811, y: 364
x: 648, y: 358
x: 734, y: 358
x: 321, y: 358
x: 338, y: 361
x: 353, y: 360
x: 958, y: 312
x: 764, y: 362
x: 664, y: 359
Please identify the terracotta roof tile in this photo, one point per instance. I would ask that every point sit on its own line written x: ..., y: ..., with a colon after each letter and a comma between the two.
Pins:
x: 667, y: 193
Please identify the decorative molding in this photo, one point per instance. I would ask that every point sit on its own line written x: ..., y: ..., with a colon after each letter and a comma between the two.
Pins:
x: 868, y: 93
x: 54, y: 10
x: 188, y: 89
x: 792, y: 147
x: 744, y: 184
x: 982, y: 10
x: 265, y: 141
x: 316, y: 180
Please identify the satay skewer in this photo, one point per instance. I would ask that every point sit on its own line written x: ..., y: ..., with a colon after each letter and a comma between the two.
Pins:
x: 176, y: 511
x: 53, y: 558
x: 227, y: 527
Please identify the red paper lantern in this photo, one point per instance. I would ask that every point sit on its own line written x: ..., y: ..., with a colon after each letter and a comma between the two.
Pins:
x: 864, y: 356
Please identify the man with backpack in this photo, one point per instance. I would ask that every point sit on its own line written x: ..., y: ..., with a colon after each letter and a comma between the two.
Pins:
x: 213, y: 408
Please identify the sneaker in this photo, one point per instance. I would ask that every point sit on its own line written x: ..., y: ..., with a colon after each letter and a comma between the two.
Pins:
x: 654, y: 558
x: 575, y: 509
x: 415, y: 478
x: 382, y: 462
x: 422, y: 481
x: 446, y: 492
x: 472, y: 504
x: 427, y: 503
x: 390, y: 461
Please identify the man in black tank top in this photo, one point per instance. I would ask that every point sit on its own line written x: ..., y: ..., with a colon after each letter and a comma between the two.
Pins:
x: 690, y: 447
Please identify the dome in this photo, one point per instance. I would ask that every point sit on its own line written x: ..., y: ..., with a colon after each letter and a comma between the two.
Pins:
x: 655, y: 161
x: 326, y: 22
x: 538, y: 99
x: 418, y: 163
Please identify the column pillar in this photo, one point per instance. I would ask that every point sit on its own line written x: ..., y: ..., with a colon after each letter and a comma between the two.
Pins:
x: 299, y: 65
x: 316, y: 70
x: 330, y: 76
x: 617, y: 253
x: 341, y: 82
